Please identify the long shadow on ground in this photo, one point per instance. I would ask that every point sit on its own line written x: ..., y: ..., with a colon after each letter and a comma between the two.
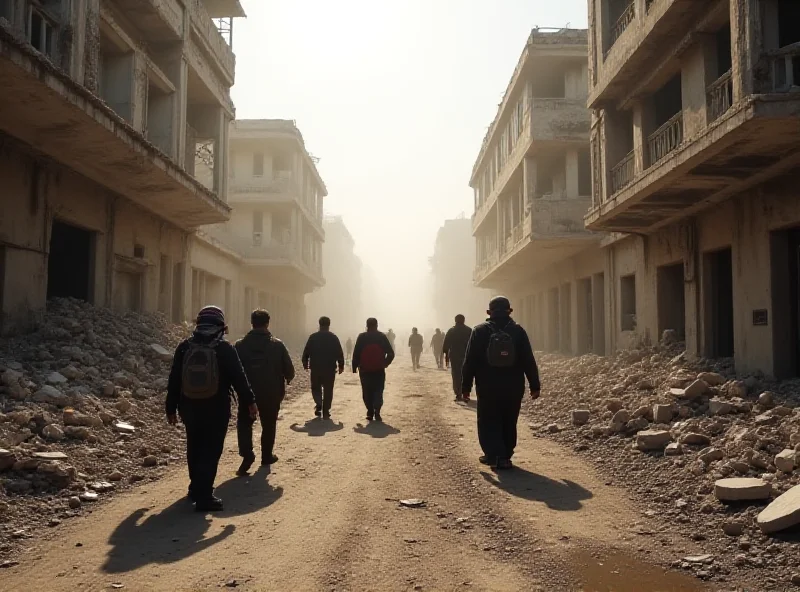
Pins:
x: 564, y: 496
x: 317, y: 427
x: 376, y: 429
x: 178, y: 532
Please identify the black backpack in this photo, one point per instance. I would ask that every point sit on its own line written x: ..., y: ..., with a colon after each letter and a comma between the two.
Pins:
x: 501, y: 351
x: 200, y: 376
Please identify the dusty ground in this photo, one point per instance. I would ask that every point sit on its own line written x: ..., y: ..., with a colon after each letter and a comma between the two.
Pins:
x: 328, y: 517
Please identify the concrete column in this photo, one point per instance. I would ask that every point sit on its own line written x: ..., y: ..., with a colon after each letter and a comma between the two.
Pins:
x: 598, y: 314
x: 693, y: 87
x: 177, y: 70
x: 221, y: 156
x: 266, y: 230
x: 139, y: 90
x: 643, y: 126
x: 571, y: 171
x: 90, y: 44
x: 746, y: 30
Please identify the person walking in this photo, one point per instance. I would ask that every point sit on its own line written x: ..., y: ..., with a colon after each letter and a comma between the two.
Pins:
x: 349, y: 347
x: 391, y: 337
x: 454, y: 349
x: 204, y: 368
x: 372, y: 355
x: 269, y: 369
x: 499, y: 358
x: 437, y: 342
x: 416, y: 345
x: 323, y: 354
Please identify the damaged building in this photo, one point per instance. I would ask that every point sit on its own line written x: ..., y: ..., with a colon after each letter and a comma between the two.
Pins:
x: 114, y: 121
x: 691, y: 226
x: 341, y: 297
x: 269, y: 254
x: 452, y: 267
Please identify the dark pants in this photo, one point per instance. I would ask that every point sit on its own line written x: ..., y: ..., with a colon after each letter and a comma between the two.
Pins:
x: 268, y: 410
x: 497, y: 423
x: 415, y: 358
x: 372, y: 384
x: 455, y: 371
x: 205, y: 440
x: 322, y: 389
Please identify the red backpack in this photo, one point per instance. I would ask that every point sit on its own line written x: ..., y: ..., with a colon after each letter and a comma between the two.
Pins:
x: 373, y: 358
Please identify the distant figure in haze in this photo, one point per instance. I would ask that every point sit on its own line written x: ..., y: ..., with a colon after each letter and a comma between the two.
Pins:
x: 349, y: 347
x: 437, y: 341
x: 372, y: 355
x: 416, y: 344
x: 499, y: 357
x: 323, y: 354
x: 391, y: 337
x: 454, y: 349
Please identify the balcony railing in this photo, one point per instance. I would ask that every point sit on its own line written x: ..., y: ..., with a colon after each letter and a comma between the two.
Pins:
x: 648, y: 4
x: 785, y: 68
x: 211, y: 34
x: 666, y: 138
x: 261, y: 185
x: 719, y: 96
x: 625, y: 19
x: 623, y: 172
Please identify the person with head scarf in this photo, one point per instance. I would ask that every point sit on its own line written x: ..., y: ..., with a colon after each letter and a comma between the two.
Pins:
x: 205, y: 368
x: 499, y: 358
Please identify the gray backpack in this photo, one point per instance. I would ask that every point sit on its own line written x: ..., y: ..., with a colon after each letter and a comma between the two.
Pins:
x: 200, y: 376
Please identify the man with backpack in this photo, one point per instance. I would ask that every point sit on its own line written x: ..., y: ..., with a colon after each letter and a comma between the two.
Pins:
x: 269, y: 369
x: 499, y: 358
x: 372, y: 355
x: 437, y: 342
x: 323, y: 354
x: 415, y: 344
x: 454, y: 349
x: 204, y: 369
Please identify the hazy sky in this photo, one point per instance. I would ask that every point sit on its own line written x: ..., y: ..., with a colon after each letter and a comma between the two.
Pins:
x: 394, y: 97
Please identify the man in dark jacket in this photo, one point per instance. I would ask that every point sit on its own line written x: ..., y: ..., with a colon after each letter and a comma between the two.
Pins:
x: 372, y: 355
x: 269, y: 369
x: 416, y: 343
x: 323, y: 354
x: 454, y: 349
x: 499, y: 358
x: 204, y: 369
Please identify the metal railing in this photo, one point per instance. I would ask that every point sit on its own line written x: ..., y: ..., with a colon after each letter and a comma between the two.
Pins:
x: 648, y: 4
x: 785, y: 67
x: 623, y: 172
x: 624, y: 20
x: 719, y: 96
x: 666, y: 138
x: 261, y: 185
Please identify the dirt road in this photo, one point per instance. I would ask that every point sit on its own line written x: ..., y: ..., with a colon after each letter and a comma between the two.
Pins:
x: 328, y: 516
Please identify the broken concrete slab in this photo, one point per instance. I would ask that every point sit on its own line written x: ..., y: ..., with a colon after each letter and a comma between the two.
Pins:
x: 736, y: 489
x: 782, y: 513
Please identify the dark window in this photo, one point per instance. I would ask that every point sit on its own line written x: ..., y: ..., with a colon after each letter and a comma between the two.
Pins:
x: 627, y: 286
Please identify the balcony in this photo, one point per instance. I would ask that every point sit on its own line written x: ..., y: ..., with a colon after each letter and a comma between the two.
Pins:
x: 44, y: 107
x: 157, y: 20
x: 719, y: 97
x: 784, y: 67
x: 623, y: 172
x: 624, y: 20
x: 550, y: 231
x: 212, y: 41
x: 560, y: 120
x: 271, y: 190
x: 665, y: 139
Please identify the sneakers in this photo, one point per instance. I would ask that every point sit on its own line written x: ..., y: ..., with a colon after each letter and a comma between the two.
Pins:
x: 369, y: 416
x: 213, y: 504
x: 247, y: 462
x: 378, y: 416
x: 268, y: 461
x: 504, y: 464
x: 490, y: 462
x: 459, y: 399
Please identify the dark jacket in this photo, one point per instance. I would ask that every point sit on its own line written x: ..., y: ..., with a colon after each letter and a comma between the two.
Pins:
x: 280, y: 370
x: 416, y: 342
x: 455, y: 342
x: 231, y: 374
x: 323, y: 353
x: 437, y: 341
x: 499, y: 380
x: 370, y: 337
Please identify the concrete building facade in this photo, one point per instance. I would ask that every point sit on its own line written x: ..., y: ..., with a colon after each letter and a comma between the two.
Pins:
x: 341, y: 297
x: 452, y: 266
x: 532, y: 185
x: 113, y: 130
x: 696, y: 174
x: 269, y: 254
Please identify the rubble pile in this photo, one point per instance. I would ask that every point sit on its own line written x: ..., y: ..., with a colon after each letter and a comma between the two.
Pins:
x: 707, y: 452
x: 82, y: 413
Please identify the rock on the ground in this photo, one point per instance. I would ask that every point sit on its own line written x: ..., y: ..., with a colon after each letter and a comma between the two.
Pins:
x: 50, y: 394
x: 650, y: 440
x: 741, y: 489
x: 662, y: 413
x: 711, y: 378
x: 786, y: 460
x: 581, y: 416
x: 720, y: 407
x: 53, y: 432
x: 782, y: 513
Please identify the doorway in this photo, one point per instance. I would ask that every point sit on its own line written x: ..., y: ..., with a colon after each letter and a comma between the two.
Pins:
x: 70, y: 262
x: 718, y: 303
x: 785, y: 321
x: 671, y: 300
